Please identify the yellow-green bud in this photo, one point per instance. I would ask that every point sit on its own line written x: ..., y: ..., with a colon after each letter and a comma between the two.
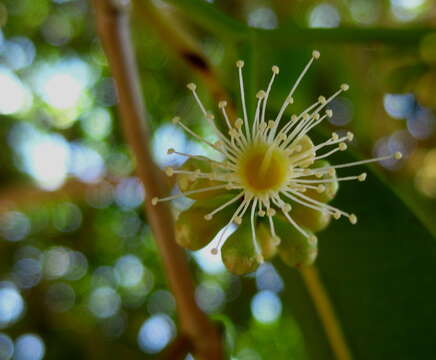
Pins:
x: 193, y: 231
x: 267, y: 242
x: 305, y: 144
x: 310, y: 218
x: 331, y: 188
x: 238, y: 252
x: 295, y: 249
x: 187, y: 182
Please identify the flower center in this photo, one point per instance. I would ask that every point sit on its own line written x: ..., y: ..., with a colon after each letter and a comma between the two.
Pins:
x: 263, y: 168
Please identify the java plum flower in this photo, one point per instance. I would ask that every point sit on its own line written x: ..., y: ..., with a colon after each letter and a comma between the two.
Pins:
x: 272, y: 181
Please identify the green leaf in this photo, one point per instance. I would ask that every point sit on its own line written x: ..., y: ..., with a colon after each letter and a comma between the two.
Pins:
x: 379, y: 276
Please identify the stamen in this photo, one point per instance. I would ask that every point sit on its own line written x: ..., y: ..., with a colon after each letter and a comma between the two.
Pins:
x: 253, y: 232
x: 240, y: 65
x: 315, y: 55
x: 275, y: 71
x: 223, y: 206
x: 155, y: 200
x: 193, y: 87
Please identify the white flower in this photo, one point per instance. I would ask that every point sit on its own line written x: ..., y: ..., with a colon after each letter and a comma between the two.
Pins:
x: 267, y: 164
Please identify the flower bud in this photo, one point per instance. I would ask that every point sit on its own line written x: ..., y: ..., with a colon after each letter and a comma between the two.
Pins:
x: 187, y: 182
x: 238, y: 252
x: 310, y: 218
x: 331, y: 188
x: 193, y: 231
x: 295, y: 249
x: 268, y: 244
x: 305, y: 145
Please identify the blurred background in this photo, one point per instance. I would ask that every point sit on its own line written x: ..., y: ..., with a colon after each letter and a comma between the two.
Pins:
x: 80, y: 276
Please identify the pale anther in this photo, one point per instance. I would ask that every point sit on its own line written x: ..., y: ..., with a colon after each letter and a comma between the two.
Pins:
x: 239, y: 64
x: 154, y: 201
x: 362, y: 177
x: 316, y: 54
x: 275, y: 69
x: 222, y: 104
x: 342, y: 146
x: 321, y: 188
x: 398, y: 155
x: 169, y: 171
x: 191, y: 86
x: 329, y: 113
x: 260, y: 94
x: 286, y: 207
x: 353, y: 219
x: 270, y: 212
x: 345, y: 87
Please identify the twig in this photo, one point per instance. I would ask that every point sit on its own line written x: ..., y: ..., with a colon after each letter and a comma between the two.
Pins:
x: 113, y: 27
x: 179, y: 41
x: 326, y: 312
x: 288, y: 35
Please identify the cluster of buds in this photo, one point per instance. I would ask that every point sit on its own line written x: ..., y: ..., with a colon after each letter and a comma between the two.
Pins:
x: 273, y: 182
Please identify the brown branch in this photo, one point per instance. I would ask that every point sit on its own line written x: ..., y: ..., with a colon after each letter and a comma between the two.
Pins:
x: 113, y: 27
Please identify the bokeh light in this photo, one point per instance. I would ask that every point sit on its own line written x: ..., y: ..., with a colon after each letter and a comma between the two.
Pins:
x: 209, y: 296
x: 11, y: 304
x: 129, y: 193
x: 6, y: 347
x: 27, y: 273
x: 324, y: 15
x: 399, y: 106
x: 44, y: 156
x: 262, y: 18
x: 155, y: 333
x: 14, y: 96
x: 29, y: 347
x: 62, y: 84
x: 129, y: 270
x: 266, y: 307
x: 406, y: 10
x: 14, y: 225
x: 56, y: 262
x: 267, y: 278
x: 104, y: 302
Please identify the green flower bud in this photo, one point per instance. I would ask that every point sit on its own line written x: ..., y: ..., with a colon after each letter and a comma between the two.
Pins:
x: 295, y: 249
x: 331, y: 188
x: 310, y: 218
x: 267, y: 242
x: 305, y: 144
x: 193, y: 231
x: 188, y: 182
x: 238, y: 252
